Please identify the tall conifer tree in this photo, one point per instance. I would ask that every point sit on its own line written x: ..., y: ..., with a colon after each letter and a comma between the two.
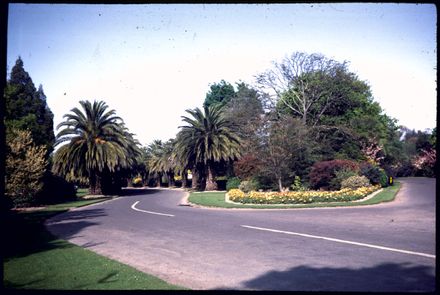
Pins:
x: 26, y: 107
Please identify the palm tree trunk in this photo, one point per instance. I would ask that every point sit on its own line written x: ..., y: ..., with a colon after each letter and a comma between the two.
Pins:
x: 184, y: 179
x: 195, y: 179
x: 171, y: 179
x: 95, y: 184
x: 159, y: 180
x: 211, y: 184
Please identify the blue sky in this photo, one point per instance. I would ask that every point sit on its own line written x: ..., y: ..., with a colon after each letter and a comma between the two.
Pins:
x: 151, y: 62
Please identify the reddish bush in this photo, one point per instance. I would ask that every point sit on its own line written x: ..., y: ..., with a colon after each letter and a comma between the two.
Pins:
x: 322, y: 173
x: 247, y: 167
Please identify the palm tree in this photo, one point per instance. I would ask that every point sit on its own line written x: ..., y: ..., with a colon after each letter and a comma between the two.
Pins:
x: 162, y: 161
x: 207, y: 139
x: 169, y: 162
x: 154, y: 163
x: 184, y: 156
x: 98, y: 144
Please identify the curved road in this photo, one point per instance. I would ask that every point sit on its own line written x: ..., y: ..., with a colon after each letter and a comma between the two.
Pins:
x: 385, y: 247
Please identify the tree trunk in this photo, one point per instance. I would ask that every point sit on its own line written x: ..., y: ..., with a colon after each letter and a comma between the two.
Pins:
x: 184, y: 179
x: 211, y: 184
x: 280, y: 184
x: 159, y: 180
x: 195, y: 179
x: 171, y: 180
x: 95, y: 184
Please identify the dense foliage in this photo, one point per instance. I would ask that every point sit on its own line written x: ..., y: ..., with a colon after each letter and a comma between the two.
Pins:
x: 219, y: 94
x: 232, y: 183
x: 25, y: 168
x: 355, y: 182
x: 322, y: 173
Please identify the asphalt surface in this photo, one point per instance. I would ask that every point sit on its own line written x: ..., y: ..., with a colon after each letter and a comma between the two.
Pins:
x: 385, y: 247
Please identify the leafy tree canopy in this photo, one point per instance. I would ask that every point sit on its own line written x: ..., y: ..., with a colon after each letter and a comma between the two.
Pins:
x: 219, y: 93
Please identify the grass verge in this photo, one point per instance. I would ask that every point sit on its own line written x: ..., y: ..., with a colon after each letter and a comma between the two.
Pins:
x: 217, y: 199
x: 35, y: 259
x: 81, y: 192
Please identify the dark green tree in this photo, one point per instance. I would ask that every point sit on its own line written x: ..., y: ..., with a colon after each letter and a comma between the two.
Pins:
x: 244, y: 111
x: 26, y: 107
x: 220, y: 93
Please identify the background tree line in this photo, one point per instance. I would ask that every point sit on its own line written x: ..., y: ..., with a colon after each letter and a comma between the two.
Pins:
x: 307, y: 122
x: 305, y: 113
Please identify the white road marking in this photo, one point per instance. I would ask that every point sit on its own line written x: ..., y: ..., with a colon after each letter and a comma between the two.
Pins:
x: 341, y: 241
x: 150, y: 212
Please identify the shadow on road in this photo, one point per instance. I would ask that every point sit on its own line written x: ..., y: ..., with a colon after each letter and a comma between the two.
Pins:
x: 68, y: 224
x: 388, y: 277
x: 126, y: 192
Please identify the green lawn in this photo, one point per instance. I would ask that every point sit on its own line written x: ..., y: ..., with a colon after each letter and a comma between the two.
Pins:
x: 35, y: 259
x: 217, y: 199
x: 81, y: 192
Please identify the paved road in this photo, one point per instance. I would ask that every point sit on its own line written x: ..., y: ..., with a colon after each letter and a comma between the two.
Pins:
x: 386, y: 247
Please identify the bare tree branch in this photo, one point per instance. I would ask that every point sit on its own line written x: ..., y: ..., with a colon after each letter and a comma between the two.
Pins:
x: 289, y: 82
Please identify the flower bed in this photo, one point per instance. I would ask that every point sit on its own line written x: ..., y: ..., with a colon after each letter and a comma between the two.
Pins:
x: 304, y: 197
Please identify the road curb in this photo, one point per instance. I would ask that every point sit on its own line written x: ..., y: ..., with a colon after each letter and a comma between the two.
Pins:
x: 184, y: 201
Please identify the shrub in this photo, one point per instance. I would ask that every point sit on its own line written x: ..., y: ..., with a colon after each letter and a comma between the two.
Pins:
x: 232, y: 183
x: 424, y: 162
x: 25, y: 167
x: 248, y: 185
x: 383, y: 178
x: 235, y: 193
x: 355, y: 182
x: 247, y: 166
x: 55, y: 190
x: 372, y: 172
x: 266, y: 182
x: 137, y: 181
x: 297, y: 185
x: 375, y: 174
x: 323, y: 172
x: 340, y: 176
